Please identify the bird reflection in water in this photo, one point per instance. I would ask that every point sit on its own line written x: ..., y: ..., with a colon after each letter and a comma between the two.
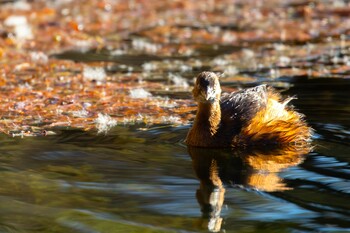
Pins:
x: 253, y: 169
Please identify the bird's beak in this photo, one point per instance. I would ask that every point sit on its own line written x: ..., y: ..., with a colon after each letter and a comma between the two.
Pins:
x: 209, y: 94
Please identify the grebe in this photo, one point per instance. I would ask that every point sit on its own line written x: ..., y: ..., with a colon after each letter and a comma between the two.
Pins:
x: 254, y: 117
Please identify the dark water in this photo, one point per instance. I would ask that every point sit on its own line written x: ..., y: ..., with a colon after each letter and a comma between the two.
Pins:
x: 133, y: 180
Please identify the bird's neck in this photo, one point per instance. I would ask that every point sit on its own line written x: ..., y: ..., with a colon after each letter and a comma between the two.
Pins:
x: 208, y: 117
x: 205, y: 127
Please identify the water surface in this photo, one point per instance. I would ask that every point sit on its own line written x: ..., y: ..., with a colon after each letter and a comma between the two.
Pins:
x: 144, y: 179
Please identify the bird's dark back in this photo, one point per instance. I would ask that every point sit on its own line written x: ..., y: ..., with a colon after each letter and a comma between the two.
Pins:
x: 239, y: 107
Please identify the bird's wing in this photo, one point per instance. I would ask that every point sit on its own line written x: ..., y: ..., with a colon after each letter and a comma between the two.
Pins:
x: 242, y: 105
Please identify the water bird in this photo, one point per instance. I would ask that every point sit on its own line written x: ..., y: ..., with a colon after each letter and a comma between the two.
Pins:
x: 248, y: 118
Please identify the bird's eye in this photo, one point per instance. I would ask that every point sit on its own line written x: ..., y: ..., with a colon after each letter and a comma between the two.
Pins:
x: 204, y: 82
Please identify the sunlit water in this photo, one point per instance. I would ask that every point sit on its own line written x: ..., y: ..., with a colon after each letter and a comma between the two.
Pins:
x: 144, y: 179
x: 139, y: 178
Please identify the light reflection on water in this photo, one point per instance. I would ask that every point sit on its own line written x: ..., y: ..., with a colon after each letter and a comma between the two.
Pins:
x: 81, y: 182
x: 137, y: 179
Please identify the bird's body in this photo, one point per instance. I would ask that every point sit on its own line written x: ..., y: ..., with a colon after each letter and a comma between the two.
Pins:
x: 251, y: 117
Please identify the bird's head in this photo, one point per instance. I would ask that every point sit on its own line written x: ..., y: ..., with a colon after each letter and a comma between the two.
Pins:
x: 207, y: 88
